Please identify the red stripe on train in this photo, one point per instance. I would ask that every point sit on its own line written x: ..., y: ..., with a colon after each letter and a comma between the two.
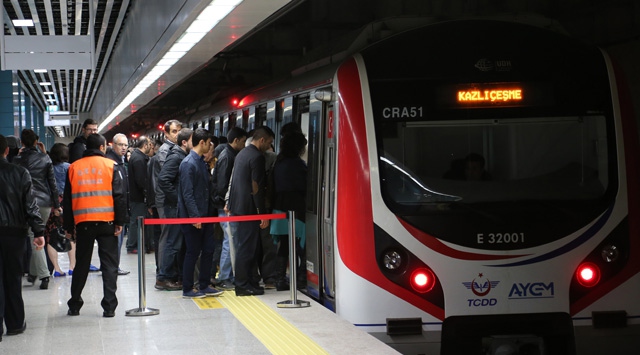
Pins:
x: 354, y: 220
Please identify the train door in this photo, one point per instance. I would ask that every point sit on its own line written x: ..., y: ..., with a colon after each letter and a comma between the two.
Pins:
x: 320, y: 189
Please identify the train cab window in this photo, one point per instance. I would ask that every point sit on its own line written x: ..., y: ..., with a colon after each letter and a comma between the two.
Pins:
x: 559, y: 165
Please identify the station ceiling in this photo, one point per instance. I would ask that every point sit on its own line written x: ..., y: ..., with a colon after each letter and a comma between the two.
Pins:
x: 299, y: 34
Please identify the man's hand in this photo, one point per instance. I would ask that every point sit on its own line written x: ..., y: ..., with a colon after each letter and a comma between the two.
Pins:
x: 118, y: 230
x: 198, y: 225
x: 38, y: 242
x: 264, y: 223
x: 57, y: 212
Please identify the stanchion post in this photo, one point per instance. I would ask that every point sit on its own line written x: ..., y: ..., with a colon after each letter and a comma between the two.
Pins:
x: 142, y: 310
x: 293, y: 265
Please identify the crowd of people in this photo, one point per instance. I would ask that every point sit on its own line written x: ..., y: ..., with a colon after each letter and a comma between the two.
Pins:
x: 96, y: 191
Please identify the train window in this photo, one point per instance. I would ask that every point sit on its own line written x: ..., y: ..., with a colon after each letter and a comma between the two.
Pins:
x: 501, y: 169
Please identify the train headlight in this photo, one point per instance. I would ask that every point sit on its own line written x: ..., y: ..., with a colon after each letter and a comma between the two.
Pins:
x: 610, y: 253
x: 588, y: 274
x: 423, y: 280
x: 392, y: 260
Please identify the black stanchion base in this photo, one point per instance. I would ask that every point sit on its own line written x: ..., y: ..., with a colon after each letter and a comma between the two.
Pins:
x: 142, y: 312
x: 294, y: 304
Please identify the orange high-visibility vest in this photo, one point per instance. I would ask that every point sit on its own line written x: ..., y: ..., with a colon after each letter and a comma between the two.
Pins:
x: 91, y: 190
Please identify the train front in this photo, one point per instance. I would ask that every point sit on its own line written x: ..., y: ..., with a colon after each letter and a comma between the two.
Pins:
x: 500, y: 204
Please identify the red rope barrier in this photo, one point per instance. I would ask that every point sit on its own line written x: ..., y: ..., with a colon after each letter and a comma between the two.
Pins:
x: 253, y: 217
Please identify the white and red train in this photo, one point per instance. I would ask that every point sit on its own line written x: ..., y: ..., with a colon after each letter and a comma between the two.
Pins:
x: 541, y: 254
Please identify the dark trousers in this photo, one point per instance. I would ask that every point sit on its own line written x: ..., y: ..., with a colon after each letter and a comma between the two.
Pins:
x: 12, y: 250
x: 86, y: 234
x: 138, y: 209
x: 170, y: 248
x: 199, y: 243
x: 247, y: 243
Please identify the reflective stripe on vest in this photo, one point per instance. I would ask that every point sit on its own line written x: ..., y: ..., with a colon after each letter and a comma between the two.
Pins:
x: 91, y: 190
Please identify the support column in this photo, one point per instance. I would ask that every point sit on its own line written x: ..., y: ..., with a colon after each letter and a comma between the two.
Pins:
x: 7, y: 121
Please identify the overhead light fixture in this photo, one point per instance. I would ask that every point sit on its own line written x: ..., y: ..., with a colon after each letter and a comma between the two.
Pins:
x: 40, y: 70
x: 48, y: 93
x: 45, y: 83
x: 23, y: 23
x: 207, y: 20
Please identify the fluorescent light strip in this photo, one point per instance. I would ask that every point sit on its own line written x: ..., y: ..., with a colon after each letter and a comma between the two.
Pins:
x: 208, y: 19
x: 23, y: 23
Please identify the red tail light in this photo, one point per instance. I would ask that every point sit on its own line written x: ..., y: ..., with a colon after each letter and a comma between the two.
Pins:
x: 423, y: 280
x: 588, y: 274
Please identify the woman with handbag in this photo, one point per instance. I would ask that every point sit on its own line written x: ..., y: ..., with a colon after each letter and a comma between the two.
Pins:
x: 60, y: 157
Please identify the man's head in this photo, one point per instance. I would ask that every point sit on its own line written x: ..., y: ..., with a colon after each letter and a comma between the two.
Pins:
x: 28, y: 138
x: 97, y: 141
x: 143, y: 144
x: 120, y: 144
x: 263, y: 137
x: 184, y: 139
x: 89, y: 127
x: 4, y: 146
x: 171, y: 129
x: 201, y: 141
x: 474, y: 167
x: 237, y: 138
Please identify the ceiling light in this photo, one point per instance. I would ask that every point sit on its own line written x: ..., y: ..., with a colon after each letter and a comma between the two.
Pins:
x: 23, y: 23
x: 208, y: 18
x: 40, y: 71
x: 45, y: 83
x: 48, y: 93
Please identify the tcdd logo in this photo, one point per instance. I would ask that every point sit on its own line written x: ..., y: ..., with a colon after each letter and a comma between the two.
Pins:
x: 531, y: 290
x: 481, y: 287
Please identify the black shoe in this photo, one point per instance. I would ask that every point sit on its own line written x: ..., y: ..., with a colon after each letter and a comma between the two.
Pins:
x: 17, y: 331
x: 108, y: 314
x: 73, y: 312
x: 31, y: 278
x: 282, y: 285
x: 248, y: 291
x: 44, y: 284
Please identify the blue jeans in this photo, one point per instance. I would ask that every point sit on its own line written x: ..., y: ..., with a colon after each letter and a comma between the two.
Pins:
x: 226, y: 267
x: 170, y: 245
x: 199, y: 242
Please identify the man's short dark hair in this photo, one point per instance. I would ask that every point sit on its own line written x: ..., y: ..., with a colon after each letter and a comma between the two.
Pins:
x: 289, y: 128
x: 263, y: 132
x: 94, y: 141
x: 141, y: 142
x: 184, y: 135
x: 200, y: 134
x: 3, y: 144
x: 28, y: 137
x: 89, y: 121
x: 236, y: 133
x: 167, y: 125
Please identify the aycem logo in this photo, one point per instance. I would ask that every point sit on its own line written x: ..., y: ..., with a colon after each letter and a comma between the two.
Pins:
x: 481, y: 286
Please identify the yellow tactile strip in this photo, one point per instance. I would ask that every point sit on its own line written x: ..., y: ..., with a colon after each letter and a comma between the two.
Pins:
x: 278, y: 335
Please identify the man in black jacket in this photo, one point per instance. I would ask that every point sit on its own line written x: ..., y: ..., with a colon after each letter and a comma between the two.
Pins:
x: 138, y: 192
x: 118, y: 153
x: 171, y: 250
x: 246, y: 197
x: 18, y: 210
x: 45, y: 191
x: 236, y: 139
x: 77, y: 148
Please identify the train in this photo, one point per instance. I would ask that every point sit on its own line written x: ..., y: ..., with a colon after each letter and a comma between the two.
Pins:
x: 539, y: 253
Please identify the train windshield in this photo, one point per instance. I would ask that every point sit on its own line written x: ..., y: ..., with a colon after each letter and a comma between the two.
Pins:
x: 488, y: 136
x: 535, y: 159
